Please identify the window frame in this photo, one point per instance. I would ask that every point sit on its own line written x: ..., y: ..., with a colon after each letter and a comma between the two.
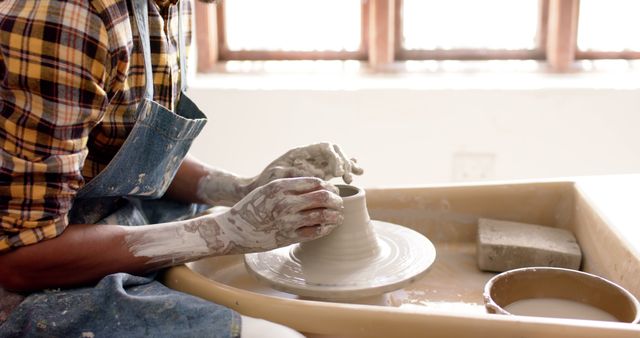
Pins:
x: 382, y: 37
x: 226, y: 54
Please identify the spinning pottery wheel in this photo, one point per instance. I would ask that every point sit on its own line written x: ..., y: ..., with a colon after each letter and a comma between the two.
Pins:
x: 361, y: 258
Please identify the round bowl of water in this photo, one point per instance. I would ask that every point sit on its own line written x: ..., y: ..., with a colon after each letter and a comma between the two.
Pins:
x: 559, y: 293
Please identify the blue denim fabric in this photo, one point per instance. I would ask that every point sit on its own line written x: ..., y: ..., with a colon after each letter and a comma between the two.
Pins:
x: 127, y: 192
x: 150, y: 156
x: 121, y: 305
x: 145, y: 164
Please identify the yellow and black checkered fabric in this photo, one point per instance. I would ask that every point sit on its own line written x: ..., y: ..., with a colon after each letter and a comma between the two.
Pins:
x: 71, y: 76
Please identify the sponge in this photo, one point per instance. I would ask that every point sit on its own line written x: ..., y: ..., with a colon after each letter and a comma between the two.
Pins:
x: 503, y: 245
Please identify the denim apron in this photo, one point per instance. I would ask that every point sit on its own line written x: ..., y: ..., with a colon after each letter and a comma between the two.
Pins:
x: 127, y: 192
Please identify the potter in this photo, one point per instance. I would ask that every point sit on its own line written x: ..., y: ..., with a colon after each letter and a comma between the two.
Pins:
x: 99, y: 192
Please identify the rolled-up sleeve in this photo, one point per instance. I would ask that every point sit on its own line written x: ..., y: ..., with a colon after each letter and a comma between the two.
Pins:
x: 53, y: 69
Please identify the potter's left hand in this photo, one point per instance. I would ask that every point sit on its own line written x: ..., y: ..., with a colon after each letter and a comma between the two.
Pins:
x: 323, y: 160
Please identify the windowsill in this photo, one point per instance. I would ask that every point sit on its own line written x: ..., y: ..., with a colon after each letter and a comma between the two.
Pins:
x: 416, y: 75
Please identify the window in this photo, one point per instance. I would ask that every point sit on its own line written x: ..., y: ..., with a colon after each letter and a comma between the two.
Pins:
x: 468, y: 29
x: 609, y: 29
x: 281, y: 30
x: 308, y: 25
x: 383, y: 32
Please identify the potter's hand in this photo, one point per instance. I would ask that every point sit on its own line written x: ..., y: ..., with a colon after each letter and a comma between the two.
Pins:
x: 280, y: 213
x: 322, y: 160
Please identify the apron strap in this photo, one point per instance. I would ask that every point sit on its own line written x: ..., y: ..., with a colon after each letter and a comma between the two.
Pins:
x: 182, y: 51
x: 141, y: 12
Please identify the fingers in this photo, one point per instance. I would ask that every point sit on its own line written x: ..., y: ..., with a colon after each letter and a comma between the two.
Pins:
x: 299, y: 171
x: 351, y: 166
x: 300, y: 185
x: 341, y: 164
x: 313, y: 232
x: 355, y: 167
x: 310, y: 209
x: 336, y: 159
x: 336, y: 163
x: 307, y: 225
x: 310, y: 218
x: 323, y: 160
x: 290, y: 195
x: 319, y: 199
x: 346, y: 164
x: 312, y: 224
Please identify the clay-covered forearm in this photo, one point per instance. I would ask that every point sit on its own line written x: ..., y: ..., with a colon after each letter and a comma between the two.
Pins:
x: 83, y: 254
x: 196, y: 182
x: 277, y: 214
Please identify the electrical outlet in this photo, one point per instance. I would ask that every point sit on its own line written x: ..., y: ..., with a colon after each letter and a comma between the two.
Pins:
x: 473, y: 166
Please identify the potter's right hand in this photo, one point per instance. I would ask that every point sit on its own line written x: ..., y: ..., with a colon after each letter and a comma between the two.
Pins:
x: 282, y: 212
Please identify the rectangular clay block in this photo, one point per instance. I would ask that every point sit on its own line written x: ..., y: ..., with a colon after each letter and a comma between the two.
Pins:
x: 504, y: 245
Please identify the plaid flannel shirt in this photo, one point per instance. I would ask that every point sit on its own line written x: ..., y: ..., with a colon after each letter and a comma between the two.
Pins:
x: 71, y: 76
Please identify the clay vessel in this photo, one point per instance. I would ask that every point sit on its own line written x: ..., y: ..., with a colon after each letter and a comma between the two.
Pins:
x: 354, y: 241
x: 361, y: 258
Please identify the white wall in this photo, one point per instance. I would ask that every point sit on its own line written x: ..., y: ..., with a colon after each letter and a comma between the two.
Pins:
x: 405, y: 134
